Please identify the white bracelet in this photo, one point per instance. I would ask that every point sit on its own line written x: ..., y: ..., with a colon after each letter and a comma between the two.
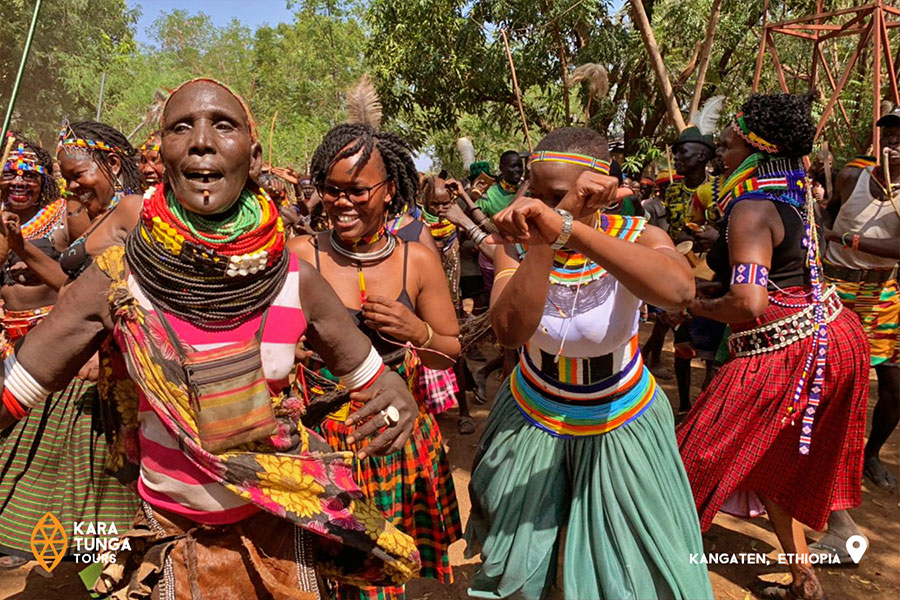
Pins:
x: 22, y: 385
x: 362, y: 374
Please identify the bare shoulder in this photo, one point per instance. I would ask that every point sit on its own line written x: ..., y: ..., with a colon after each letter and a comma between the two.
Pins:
x: 303, y: 247
x: 421, y: 257
x: 127, y: 211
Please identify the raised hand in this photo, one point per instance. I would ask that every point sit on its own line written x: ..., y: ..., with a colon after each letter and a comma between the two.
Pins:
x: 527, y: 221
x: 592, y: 192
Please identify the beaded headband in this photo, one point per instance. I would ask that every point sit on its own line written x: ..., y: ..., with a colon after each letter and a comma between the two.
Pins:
x: 740, y: 127
x: 582, y: 160
x: 151, y: 144
x: 69, y: 139
x: 21, y: 160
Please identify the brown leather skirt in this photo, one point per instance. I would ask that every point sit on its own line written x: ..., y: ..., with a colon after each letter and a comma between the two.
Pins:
x: 173, y: 558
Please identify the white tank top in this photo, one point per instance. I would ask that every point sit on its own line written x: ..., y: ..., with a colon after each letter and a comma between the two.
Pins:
x: 868, y: 217
x: 606, y: 317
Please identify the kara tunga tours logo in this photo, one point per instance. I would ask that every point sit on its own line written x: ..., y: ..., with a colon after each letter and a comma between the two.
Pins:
x: 92, y: 542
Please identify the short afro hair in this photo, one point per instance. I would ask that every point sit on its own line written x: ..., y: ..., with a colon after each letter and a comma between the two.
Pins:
x: 784, y: 120
x: 577, y: 140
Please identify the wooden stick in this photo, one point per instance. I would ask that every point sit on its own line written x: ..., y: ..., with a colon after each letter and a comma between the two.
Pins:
x: 887, y: 172
x: 512, y: 69
x: 15, y: 90
x: 762, y: 48
x: 6, y: 150
x: 659, y: 67
x: 705, y: 55
x: 829, y: 159
x: 272, y: 135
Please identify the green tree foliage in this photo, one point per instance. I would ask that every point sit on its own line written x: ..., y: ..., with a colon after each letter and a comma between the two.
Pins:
x: 75, y: 40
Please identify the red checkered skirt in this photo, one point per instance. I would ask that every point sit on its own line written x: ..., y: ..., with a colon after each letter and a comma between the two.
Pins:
x: 414, y: 489
x: 737, y: 447
x: 438, y: 387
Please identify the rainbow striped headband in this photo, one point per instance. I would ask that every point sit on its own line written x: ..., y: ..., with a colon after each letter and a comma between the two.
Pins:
x: 21, y: 160
x: 69, y: 139
x: 740, y: 127
x: 582, y: 160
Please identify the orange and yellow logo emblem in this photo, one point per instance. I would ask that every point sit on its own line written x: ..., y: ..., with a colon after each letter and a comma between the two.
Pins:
x: 49, y: 542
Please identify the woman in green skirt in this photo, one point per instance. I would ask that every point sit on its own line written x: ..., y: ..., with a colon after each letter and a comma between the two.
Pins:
x: 578, y: 460
x: 55, y: 460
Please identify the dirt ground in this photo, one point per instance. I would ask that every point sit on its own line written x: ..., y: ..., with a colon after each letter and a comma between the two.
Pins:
x: 873, y: 579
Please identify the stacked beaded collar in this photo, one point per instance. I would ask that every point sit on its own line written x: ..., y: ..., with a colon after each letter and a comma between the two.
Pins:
x: 583, y: 160
x: 740, y: 127
x: 68, y: 139
x: 572, y: 269
x: 21, y: 160
x: 762, y: 177
x: 46, y: 221
x: 442, y: 230
x: 509, y: 188
x: 207, y: 271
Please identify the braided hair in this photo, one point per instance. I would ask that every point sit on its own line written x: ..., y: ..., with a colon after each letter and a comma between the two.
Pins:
x: 49, y: 189
x: 347, y: 139
x: 128, y: 157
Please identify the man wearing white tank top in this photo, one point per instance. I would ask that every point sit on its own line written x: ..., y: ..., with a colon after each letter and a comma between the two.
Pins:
x: 862, y: 228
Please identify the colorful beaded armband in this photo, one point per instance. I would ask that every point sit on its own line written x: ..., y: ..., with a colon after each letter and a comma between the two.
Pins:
x: 750, y: 273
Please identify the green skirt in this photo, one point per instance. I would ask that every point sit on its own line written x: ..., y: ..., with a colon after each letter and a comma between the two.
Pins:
x: 53, y: 461
x: 620, y: 500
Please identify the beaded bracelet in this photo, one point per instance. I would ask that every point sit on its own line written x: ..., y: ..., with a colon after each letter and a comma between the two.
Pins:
x: 750, y: 273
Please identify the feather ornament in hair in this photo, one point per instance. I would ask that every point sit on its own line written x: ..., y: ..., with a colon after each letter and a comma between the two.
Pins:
x: 707, y: 118
x: 466, y: 151
x: 154, y: 112
x: 596, y: 77
x: 363, y: 105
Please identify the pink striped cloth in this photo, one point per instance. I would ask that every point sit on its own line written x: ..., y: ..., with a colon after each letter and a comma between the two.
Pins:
x: 438, y: 389
x: 168, y: 479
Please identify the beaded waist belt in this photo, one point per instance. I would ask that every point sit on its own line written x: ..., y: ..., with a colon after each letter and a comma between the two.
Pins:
x: 869, y: 276
x: 783, y: 332
x: 574, y: 400
x: 16, y: 323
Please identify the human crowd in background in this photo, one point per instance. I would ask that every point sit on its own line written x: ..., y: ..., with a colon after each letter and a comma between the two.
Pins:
x: 248, y: 359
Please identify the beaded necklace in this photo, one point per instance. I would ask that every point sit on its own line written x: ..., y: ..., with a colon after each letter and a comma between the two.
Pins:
x: 361, y: 258
x: 47, y: 219
x: 509, y: 188
x: 214, y: 280
x: 442, y: 230
x: 572, y: 268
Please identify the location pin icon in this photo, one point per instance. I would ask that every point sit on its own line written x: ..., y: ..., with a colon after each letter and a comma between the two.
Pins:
x: 856, y: 547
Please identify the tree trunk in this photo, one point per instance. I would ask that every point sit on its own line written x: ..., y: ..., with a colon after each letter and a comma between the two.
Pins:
x: 705, y: 53
x: 662, y: 76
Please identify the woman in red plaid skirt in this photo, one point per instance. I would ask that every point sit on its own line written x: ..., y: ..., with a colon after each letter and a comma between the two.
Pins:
x: 780, y: 429
x: 397, y: 293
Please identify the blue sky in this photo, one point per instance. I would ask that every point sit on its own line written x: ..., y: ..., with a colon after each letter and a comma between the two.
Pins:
x: 251, y: 13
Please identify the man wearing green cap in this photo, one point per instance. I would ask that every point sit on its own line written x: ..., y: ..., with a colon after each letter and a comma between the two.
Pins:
x: 692, y: 151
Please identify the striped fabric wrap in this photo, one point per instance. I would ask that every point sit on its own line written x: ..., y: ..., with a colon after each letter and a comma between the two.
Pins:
x: 572, y: 268
x: 565, y: 402
x: 862, y: 161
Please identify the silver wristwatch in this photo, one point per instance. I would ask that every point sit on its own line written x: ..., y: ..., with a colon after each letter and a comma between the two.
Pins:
x: 566, y: 230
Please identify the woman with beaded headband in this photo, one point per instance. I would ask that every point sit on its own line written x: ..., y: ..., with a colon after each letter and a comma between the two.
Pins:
x: 54, y: 460
x: 150, y: 164
x: 204, y: 303
x: 780, y: 428
x: 578, y: 459
x: 397, y: 295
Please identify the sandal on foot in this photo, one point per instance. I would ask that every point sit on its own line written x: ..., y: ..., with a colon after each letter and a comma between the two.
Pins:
x: 466, y: 425
x: 875, y: 471
x: 11, y: 562
x: 832, y: 545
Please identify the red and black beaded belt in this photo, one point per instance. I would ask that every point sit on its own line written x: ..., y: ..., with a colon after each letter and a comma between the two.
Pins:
x: 785, y: 331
